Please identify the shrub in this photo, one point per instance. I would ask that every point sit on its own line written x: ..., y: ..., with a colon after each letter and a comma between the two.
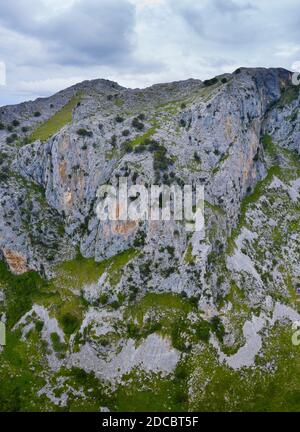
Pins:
x: 10, y: 128
x: 16, y: 123
x: 224, y: 80
x: 238, y: 71
x: 85, y: 133
x: 140, y: 239
x: 126, y: 132
x: 203, y: 330
x: 39, y: 325
x: 70, y: 323
x: 210, y: 82
x: 161, y: 162
x: 141, y: 116
x: 3, y: 176
x: 103, y: 299
x: 177, y: 336
x: 119, y: 119
x: 127, y: 147
x: 218, y: 328
x: 25, y: 129
x: 113, y: 140
x: 132, y: 330
x: 58, y: 346
x: 137, y: 124
x: 37, y: 114
x: 182, y: 123
x: 197, y: 157
x: 11, y: 138
x: 183, y: 105
x: 2, y: 127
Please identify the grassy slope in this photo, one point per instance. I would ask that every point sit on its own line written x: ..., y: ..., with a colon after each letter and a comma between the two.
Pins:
x: 55, y: 123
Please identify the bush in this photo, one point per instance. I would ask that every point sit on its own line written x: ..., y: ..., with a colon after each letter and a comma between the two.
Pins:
x: 203, y: 330
x: 37, y: 114
x: 183, y: 106
x: 177, y: 335
x: 210, y: 82
x: 137, y: 124
x: 141, y: 116
x: 126, y: 132
x: 127, y: 147
x: 132, y: 330
x: 2, y: 127
x: 140, y: 239
x: 103, y: 299
x: 70, y: 323
x: 182, y: 123
x: 25, y: 129
x: 58, y: 346
x: 160, y: 160
x: 113, y: 141
x: 85, y: 133
x: 197, y: 157
x: 119, y: 119
x: 3, y: 176
x: 224, y: 80
x: 218, y: 328
x: 10, y: 128
x: 11, y: 138
x: 16, y: 123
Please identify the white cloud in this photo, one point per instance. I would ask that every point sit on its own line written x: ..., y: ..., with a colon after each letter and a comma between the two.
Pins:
x: 2, y: 74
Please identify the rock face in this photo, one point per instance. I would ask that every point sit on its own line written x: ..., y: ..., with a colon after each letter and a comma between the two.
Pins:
x: 221, y: 124
x: 238, y: 135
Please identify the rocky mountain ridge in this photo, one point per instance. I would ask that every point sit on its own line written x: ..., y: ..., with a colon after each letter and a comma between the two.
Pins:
x: 126, y: 290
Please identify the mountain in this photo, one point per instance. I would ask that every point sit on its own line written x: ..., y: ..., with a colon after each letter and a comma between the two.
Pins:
x: 107, y: 314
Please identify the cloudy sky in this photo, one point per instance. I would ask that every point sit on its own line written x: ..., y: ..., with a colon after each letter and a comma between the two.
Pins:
x: 48, y: 45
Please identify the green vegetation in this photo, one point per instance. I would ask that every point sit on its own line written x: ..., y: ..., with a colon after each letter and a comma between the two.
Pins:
x: 152, y: 393
x: 248, y: 200
x: 188, y: 256
x: 269, y: 146
x: 84, y: 133
x: 22, y: 290
x: 210, y: 82
x: 58, y: 346
x: 82, y: 271
x: 119, y: 119
x: 288, y: 96
x: 220, y: 388
x: 11, y: 138
x: 137, y: 124
x: 55, y: 123
x: 139, y: 140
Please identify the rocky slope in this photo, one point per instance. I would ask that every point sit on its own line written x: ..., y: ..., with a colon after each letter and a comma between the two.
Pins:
x: 100, y: 310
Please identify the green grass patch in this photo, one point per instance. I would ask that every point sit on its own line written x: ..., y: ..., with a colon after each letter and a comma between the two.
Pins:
x: 139, y: 140
x: 220, y: 388
x: 152, y: 393
x: 55, y: 123
x: 269, y: 146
